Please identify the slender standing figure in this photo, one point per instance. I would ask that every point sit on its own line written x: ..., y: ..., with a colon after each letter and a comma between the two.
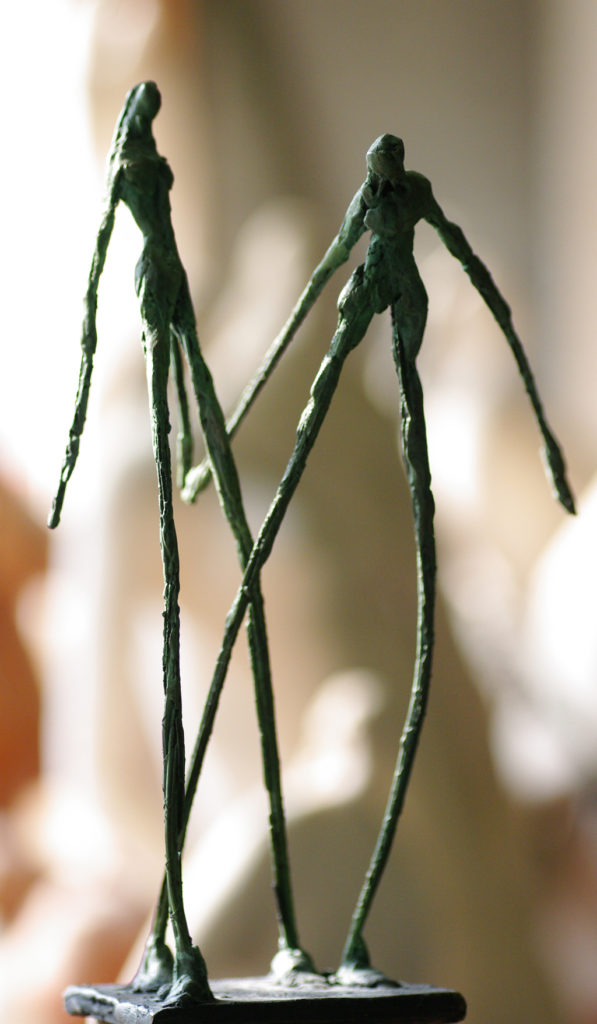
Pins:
x: 140, y: 178
x: 389, y: 204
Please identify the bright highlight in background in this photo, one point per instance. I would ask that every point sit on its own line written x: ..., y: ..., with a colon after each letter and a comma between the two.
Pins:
x: 51, y: 187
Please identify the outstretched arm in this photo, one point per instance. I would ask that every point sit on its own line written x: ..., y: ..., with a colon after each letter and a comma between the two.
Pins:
x: 88, y: 347
x: 456, y: 243
x: 351, y: 229
x: 140, y: 106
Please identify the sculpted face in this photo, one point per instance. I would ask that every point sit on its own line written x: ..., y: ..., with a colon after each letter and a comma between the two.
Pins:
x: 385, y: 158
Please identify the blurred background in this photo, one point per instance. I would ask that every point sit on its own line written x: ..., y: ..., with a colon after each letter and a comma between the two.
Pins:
x: 268, y: 110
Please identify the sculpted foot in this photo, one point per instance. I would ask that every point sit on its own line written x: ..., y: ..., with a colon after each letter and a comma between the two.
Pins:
x: 156, y: 971
x: 292, y: 966
x: 355, y: 976
x: 190, y: 980
x: 356, y: 970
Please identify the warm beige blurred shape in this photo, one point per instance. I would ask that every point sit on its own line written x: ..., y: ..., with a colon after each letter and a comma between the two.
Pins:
x: 268, y: 109
x: 23, y: 556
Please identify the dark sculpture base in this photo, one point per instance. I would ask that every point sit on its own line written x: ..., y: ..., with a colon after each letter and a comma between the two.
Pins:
x: 260, y: 1000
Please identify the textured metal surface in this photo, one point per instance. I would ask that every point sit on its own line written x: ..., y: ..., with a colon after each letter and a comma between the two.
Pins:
x: 260, y: 1000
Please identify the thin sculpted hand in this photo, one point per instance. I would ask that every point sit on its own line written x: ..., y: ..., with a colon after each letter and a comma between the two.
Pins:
x: 389, y: 204
x: 140, y: 178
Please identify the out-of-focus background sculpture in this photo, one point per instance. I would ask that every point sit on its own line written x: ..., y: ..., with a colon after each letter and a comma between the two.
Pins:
x: 257, y: 89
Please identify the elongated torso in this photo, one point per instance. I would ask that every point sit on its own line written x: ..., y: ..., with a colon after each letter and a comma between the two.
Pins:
x: 392, y: 215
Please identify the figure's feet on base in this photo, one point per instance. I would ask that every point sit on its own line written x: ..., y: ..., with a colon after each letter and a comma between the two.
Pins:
x: 356, y: 976
x: 156, y: 972
x: 356, y: 971
x: 190, y: 980
x: 292, y: 967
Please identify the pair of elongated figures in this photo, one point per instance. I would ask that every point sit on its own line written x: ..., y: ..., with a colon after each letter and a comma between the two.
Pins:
x: 389, y: 204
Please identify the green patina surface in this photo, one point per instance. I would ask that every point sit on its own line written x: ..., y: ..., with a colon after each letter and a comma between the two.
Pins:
x: 139, y: 177
x: 389, y: 204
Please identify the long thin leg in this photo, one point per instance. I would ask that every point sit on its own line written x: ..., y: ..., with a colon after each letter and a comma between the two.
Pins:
x: 190, y: 970
x: 355, y: 961
x: 310, y: 423
x: 226, y: 479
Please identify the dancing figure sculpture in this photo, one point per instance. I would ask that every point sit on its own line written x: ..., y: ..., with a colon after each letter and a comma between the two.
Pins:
x: 389, y: 204
x: 140, y: 178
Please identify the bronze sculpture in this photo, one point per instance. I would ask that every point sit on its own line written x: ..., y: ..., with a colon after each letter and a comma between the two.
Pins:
x: 389, y: 204
x: 139, y: 177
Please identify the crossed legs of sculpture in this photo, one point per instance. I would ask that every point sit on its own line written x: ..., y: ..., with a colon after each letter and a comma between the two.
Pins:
x: 408, y: 326
x: 190, y: 971
x: 160, y: 342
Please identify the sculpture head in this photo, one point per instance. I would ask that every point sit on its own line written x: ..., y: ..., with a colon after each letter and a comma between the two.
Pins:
x: 385, y: 158
x: 145, y: 101
x: 140, y: 107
